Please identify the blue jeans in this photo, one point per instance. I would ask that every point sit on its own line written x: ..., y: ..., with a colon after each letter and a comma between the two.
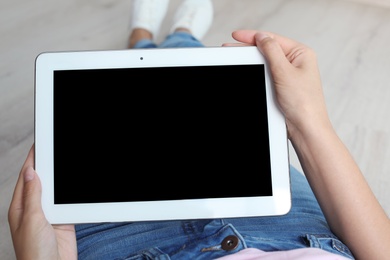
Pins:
x: 174, y: 40
x: 304, y: 226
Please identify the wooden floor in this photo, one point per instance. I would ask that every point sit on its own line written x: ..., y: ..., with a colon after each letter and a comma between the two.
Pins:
x: 351, y: 39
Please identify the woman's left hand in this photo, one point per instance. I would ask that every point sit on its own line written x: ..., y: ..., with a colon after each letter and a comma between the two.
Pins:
x: 32, y: 235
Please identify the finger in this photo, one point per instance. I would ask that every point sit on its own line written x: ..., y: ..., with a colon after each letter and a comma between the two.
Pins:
x: 16, y: 208
x: 271, y: 49
x: 248, y: 37
x: 296, y: 53
x: 235, y: 44
x: 31, y: 193
x: 245, y: 36
x: 274, y: 47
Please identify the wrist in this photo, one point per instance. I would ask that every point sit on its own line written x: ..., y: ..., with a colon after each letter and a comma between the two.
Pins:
x: 310, y: 131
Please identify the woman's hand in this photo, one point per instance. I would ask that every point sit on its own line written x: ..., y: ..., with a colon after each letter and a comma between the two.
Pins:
x: 336, y: 180
x: 295, y: 76
x: 32, y: 235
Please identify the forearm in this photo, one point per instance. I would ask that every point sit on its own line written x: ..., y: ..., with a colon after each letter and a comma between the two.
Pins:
x: 347, y: 201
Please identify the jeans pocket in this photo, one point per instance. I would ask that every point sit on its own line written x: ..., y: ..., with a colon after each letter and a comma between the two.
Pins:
x: 328, y: 243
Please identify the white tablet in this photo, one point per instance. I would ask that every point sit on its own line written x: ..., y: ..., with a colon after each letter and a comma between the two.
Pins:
x: 159, y: 134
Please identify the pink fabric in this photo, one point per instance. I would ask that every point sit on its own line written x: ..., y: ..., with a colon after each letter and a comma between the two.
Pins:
x: 301, y: 254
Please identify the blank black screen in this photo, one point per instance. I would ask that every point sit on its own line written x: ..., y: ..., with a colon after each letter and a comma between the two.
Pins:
x: 147, y: 134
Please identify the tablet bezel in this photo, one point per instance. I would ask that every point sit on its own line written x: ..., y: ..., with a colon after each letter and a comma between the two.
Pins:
x: 46, y: 63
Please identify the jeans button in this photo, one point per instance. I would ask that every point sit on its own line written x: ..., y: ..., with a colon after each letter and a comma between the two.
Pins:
x: 229, y: 243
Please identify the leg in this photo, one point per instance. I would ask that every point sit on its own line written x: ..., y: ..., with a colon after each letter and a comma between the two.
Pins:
x: 190, y: 23
x: 180, y: 39
x: 147, y: 16
x: 304, y: 226
x: 141, y: 38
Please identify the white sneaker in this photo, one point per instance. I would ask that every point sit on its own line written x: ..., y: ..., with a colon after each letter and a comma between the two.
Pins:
x: 148, y: 14
x: 194, y: 15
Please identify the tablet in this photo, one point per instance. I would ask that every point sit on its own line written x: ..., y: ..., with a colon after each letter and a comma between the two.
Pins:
x: 159, y: 134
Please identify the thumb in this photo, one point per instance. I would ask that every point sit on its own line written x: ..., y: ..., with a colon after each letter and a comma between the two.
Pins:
x: 272, y: 51
x: 32, y: 192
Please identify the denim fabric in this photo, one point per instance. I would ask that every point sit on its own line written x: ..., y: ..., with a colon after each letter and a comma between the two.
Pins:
x: 174, y: 40
x: 303, y: 226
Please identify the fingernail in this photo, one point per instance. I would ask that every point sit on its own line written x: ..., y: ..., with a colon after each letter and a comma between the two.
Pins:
x: 261, y: 36
x: 29, y: 174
